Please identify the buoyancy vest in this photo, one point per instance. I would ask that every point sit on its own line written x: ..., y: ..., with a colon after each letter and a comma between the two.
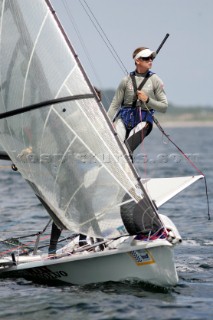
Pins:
x: 133, y: 115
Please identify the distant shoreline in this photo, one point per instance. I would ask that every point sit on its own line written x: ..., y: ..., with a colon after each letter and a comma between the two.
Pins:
x: 174, y: 124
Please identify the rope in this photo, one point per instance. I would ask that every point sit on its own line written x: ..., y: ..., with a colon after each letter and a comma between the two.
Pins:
x: 21, y: 246
x: 87, y: 55
x: 68, y: 11
x: 185, y: 156
x: 142, y: 144
x: 188, y: 159
x: 35, y: 234
x: 103, y: 36
x: 6, y: 241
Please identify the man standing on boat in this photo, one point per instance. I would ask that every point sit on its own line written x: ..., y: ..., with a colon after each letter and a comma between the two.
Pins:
x: 137, y: 97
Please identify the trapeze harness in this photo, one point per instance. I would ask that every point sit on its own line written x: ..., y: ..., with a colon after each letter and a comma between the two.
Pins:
x: 133, y: 115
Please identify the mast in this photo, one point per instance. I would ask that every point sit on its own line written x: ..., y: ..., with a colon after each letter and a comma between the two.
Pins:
x: 101, y: 106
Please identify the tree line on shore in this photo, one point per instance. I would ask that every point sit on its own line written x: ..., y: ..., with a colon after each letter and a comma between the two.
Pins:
x: 174, y: 112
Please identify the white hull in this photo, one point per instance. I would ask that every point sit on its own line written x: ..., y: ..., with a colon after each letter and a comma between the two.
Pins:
x: 151, y: 262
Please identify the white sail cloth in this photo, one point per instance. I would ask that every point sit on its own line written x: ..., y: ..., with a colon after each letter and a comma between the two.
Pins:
x: 68, y: 151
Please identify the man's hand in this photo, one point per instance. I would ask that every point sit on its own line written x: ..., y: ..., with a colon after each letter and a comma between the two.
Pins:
x: 142, y: 96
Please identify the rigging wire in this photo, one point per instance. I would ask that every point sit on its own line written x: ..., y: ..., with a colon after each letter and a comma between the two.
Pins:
x: 71, y: 18
x: 186, y: 157
x: 103, y: 35
x: 67, y: 9
x: 22, y: 246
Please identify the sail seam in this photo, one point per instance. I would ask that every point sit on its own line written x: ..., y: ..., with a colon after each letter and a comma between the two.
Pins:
x: 98, y: 215
x: 31, y: 56
x: 95, y: 156
x: 109, y: 150
x: 63, y: 157
x: 2, y: 98
x: 27, y: 73
x: 48, y: 115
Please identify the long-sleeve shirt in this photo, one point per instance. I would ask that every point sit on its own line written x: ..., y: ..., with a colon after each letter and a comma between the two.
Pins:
x: 125, y: 95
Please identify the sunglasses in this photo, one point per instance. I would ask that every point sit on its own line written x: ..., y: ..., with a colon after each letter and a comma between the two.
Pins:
x: 147, y: 58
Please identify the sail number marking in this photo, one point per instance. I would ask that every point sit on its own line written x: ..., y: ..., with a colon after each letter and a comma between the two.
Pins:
x: 141, y: 257
x: 46, y: 273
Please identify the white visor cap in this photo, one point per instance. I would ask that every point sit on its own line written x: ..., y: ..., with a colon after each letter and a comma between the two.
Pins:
x: 145, y: 53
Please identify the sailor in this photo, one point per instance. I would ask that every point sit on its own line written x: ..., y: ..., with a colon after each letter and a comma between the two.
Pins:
x: 137, y: 97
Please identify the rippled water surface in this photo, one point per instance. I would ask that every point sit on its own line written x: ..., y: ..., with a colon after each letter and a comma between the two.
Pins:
x: 192, y: 298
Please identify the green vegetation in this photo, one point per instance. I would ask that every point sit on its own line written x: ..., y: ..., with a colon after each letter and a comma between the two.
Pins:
x: 187, y: 114
x: 174, y: 113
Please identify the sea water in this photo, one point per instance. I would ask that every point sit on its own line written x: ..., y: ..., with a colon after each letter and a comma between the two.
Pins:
x: 192, y: 298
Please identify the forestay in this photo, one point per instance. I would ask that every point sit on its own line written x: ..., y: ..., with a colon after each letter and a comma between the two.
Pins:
x: 67, y: 151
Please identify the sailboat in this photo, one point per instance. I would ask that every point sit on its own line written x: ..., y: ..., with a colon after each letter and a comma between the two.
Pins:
x: 55, y: 130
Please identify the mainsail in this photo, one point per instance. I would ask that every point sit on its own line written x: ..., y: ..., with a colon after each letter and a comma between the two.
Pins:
x: 56, y: 131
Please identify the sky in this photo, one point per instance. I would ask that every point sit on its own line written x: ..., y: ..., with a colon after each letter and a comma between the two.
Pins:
x: 184, y: 62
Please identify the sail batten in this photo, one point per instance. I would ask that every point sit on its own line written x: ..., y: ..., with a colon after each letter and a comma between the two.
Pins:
x: 44, y: 104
